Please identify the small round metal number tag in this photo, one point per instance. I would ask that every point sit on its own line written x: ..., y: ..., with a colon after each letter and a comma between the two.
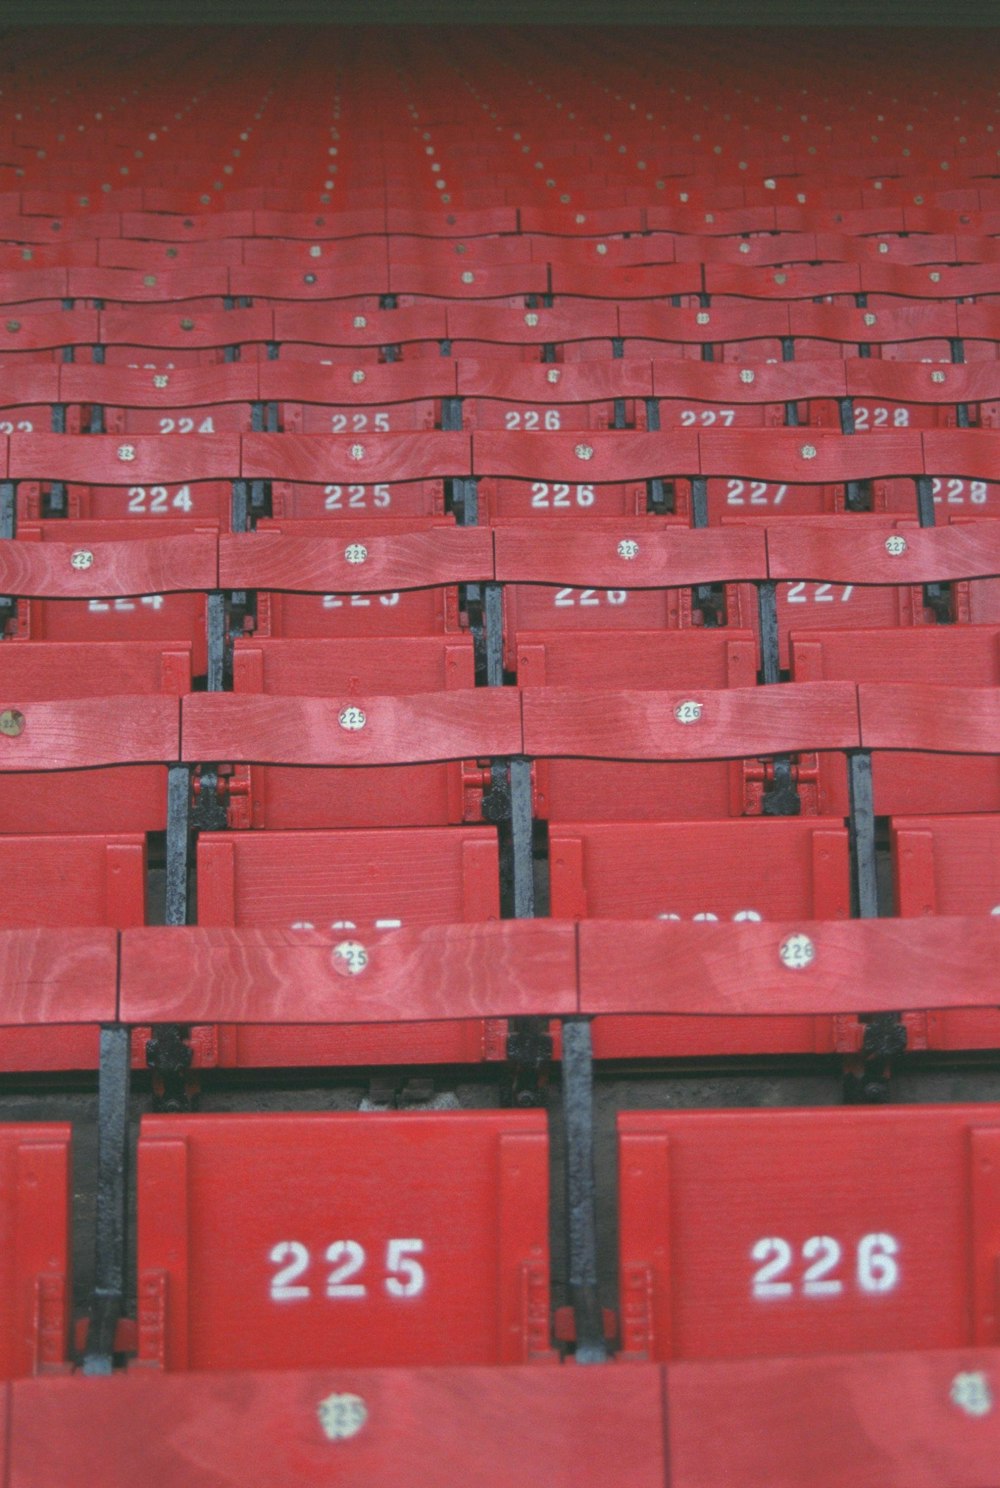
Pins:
x: 341, y: 1416
x: 468, y: 277
x: 748, y: 375
x: 357, y: 451
x: 808, y: 452
x: 187, y: 324
x: 82, y: 558
x: 971, y: 1393
x: 531, y: 319
x: 688, y: 712
x: 584, y: 452
x: 628, y: 548
x: 870, y: 318
x: 797, y: 952
x: 352, y: 719
x: 937, y: 377
x: 161, y: 380
x: 355, y: 552
x: 126, y: 452
x: 11, y: 722
x: 895, y: 545
x: 358, y: 376
x: 703, y: 317
x: 350, y: 957
x: 553, y: 374
x: 360, y: 322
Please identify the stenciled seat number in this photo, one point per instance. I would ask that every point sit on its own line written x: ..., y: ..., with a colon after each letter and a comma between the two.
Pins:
x: 532, y: 418
x: 186, y: 426
x: 357, y: 497
x: 567, y: 598
x: 398, y: 1274
x: 559, y: 494
x: 156, y: 500
x: 357, y: 601
x: 124, y: 606
x: 873, y: 1270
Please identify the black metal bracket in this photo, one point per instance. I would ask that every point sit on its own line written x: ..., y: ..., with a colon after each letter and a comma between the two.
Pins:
x: 581, y: 1194
x: 111, y: 1217
x: 782, y: 797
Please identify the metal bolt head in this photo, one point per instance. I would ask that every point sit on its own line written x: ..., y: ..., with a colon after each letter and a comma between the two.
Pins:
x: 628, y: 548
x: 13, y: 326
x: 352, y: 719
x: 895, y: 545
x: 11, y: 722
x: 356, y: 553
x: 797, y: 952
x: 808, y: 452
x: 747, y: 374
x: 688, y: 712
x: 126, y: 452
x: 357, y: 451
x: 584, y: 451
x: 349, y: 957
x: 82, y: 558
x: 358, y: 376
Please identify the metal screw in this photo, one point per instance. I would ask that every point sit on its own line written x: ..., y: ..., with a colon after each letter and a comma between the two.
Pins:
x: 11, y: 722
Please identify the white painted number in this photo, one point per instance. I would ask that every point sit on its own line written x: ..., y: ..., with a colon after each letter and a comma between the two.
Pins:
x: 23, y: 426
x: 567, y: 598
x: 124, y: 606
x: 876, y: 1268
x: 953, y: 492
x: 802, y: 593
x: 545, y: 495
x: 404, y: 1276
x: 707, y: 416
x: 158, y: 499
x: 186, y: 426
x: 357, y: 423
x: 358, y: 497
x: 880, y: 418
x: 758, y: 493
x: 357, y: 601
x: 532, y: 418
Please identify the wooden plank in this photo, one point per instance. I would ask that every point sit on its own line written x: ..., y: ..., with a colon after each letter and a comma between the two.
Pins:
x: 489, y: 1426
x: 545, y: 384
x: 259, y: 976
x: 180, y: 387
x: 882, y: 554
x: 843, y: 1421
x: 355, y: 457
x: 869, y: 966
x: 593, y: 457
x: 970, y: 452
x: 734, y: 723
x: 79, y: 733
x: 124, y: 459
x: 361, y: 561
x: 61, y: 570
x: 463, y: 724
x: 631, y: 557
x: 393, y: 382
x: 916, y: 382
x: 727, y: 383
x: 929, y: 716
x: 55, y: 976
x: 784, y: 455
